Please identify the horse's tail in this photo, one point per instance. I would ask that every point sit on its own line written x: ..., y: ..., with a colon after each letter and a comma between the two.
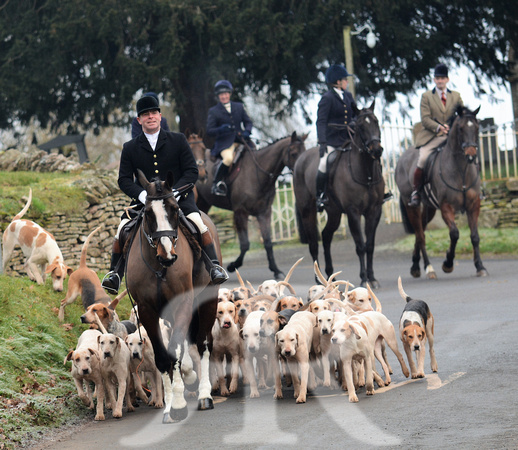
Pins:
x: 404, y: 216
x: 300, y: 226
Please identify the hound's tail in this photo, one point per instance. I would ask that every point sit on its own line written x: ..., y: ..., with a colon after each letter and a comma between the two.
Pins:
x: 82, y: 261
x: 403, y: 294
x: 25, y: 208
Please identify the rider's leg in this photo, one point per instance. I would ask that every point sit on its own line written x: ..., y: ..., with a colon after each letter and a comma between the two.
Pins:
x: 218, y: 275
x: 111, y: 282
x: 424, y: 152
x: 218, y: 185
x: 322, y: 178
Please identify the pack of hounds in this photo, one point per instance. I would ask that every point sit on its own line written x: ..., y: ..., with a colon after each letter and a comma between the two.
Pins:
x: 262, y: 336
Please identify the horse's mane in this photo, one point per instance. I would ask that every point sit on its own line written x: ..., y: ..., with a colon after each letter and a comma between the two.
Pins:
x: 274, y: 142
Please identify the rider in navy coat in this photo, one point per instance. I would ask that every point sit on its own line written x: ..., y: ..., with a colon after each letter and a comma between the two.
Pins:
x: 230, y: 124
x: 335, y: 111
x: 156, y: 152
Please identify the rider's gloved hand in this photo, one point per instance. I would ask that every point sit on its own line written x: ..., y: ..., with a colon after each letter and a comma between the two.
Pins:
x: 142, y: 197
x: 246, y: 134
x: 322, y: 150
x: 225, y: 128
x: 177, y: 195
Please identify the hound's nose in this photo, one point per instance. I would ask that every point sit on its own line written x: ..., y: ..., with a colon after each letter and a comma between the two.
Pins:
x: 262, y: 333
x: 417, y: 348
x: 334, y: 340
x: 324, y: 331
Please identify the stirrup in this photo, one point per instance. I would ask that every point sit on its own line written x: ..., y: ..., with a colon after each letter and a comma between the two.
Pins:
x: 387, y: 196
x: 415, y: 199
x: 220, y: 189
x: 111, y: 282
x: 218, y: 274
x: 322, y: 201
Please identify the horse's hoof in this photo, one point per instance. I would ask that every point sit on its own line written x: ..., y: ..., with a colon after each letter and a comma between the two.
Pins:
x: 279, y: 276
x: 374, y: 284
x: 415, y: 273
x: 431, y: 276
x: 231, y: 267
x: 446, y: 268
x: 205, y: 404
x: 482, y: 273
x: 177, y: 415
x: 193, y: 387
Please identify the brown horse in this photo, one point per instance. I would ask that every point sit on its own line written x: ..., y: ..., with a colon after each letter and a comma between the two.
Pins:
x: 355, y: 188
x: 168, y: 280
x: 198, y: 149
x: 452, y: 184
x: 251, y: 185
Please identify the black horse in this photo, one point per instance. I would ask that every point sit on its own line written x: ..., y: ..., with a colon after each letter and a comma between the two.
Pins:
x: 355, y: 188
x: 452, y: 184
x: 252, y: 190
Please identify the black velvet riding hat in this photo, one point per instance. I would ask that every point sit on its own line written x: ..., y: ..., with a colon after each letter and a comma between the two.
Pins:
x: 147, y: 103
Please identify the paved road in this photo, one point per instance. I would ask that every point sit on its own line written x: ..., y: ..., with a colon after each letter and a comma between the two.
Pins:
x: 470, y: 403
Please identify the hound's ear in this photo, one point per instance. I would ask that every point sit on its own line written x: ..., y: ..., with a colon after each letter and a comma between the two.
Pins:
x: 51, y: 267
x: 282, y: 320
x: 68, y: 357
x: 70, y: 271
x: 241, y: 334
x: 355, y: 332
x: 92, y: 351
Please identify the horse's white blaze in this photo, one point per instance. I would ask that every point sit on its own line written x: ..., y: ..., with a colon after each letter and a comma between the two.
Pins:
x: 470, y: 123
x: 205, y: 387
x: 178, y: 386
x: 162, y: 224
x: 367, y: 120
x: 168, y: 392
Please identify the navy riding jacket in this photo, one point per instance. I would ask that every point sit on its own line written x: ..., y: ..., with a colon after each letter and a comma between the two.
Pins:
x: 334, y: 110
x: 237, y: 121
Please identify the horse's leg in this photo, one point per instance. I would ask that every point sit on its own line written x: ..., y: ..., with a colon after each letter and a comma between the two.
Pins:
x: 309, y: 230
x: 333, y: 222
x: 448, y: 215
x: 419, y: 218
x: 475, y: 239
x: 200, y: 335
x: 241, y: 223
x: 266, y: 233
x: 371, y: 224
x: 354, y: 221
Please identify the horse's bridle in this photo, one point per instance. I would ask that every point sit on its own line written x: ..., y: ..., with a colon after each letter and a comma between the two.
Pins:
x: 157, y: 235
x: 199, y: 162
x: 465, y: 145
x: 366, y: 145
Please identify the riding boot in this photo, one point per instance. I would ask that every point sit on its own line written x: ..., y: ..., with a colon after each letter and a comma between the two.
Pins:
x: 322, y: 199
x: 387, y: 196
x: 218, y: 185
x: 415, y: 197
x: 218, y: 275
x: 112, y: 280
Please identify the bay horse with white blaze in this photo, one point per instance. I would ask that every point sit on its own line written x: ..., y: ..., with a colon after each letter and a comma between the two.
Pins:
x: 452, y: 184
x: 355, y: 188
x: 168, y: 280
x: 251, y: 183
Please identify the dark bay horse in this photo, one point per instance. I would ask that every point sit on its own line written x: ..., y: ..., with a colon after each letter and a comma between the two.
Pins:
x: 198, y: 149
x: 251, y: 185
x: 355, y: 188
x: 168, y: 280
x: 452, y: 184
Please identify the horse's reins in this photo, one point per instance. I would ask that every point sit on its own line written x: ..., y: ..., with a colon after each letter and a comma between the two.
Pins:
x: 254, y: 159
x: 160, y: 275
x: 366, y: 147
x: 464, y: 189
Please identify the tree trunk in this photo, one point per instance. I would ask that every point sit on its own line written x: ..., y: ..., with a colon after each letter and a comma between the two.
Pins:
x: 513, y: 81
